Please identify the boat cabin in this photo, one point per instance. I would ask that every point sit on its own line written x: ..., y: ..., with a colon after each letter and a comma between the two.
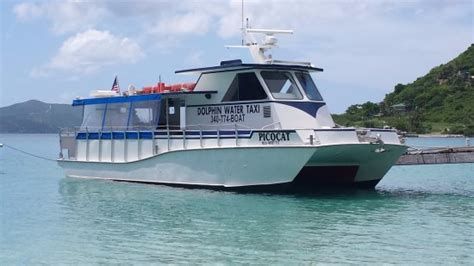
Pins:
x: 232, y: 95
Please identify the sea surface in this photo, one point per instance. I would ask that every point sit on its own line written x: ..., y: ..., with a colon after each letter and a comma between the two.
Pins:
x: 416, y: 215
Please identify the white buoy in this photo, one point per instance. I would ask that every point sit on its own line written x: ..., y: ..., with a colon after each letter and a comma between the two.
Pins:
x: 1, y: 145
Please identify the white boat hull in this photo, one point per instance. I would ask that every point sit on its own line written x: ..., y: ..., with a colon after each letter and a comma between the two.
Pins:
x: 245, y: 167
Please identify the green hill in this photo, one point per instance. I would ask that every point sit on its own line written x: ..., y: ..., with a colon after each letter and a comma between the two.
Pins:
x: 38, y: 117
x: 442, y: 101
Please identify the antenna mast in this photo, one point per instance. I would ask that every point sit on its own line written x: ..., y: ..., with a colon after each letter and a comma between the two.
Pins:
x: 258, y: 50
x: 242, y: 27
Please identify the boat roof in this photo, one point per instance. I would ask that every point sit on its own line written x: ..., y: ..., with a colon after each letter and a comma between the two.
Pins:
x: 233, y: 65
x: 135, y: 98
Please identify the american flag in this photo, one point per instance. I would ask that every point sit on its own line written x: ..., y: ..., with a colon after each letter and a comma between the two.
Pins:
x: 115, y: 86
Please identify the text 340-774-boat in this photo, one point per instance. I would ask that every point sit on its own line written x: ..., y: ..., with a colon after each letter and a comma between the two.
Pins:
x: 240, y: 126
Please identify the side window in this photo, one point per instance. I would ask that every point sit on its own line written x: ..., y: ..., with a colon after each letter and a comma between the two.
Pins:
x: 281, y: 85
x: 144, y: 115
x: 116, y: 116
x: 245, y: 87
x: 93, y: 116
x: 309, y: 87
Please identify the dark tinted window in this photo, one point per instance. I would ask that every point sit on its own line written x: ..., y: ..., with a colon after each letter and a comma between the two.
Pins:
x: 309, y: 87
x: 245, y: 87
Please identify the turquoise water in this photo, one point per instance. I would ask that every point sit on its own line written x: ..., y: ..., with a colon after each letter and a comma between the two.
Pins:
x: 417, y: 215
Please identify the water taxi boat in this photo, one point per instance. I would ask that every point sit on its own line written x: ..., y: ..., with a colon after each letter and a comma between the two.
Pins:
x: 260, y: 125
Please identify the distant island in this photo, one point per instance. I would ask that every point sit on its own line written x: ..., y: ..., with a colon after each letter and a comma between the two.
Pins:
x: 440, y: 102
x: 38, y: 117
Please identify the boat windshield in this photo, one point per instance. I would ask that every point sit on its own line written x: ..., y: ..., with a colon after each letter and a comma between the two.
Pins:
x: 308, y: 86
x: 281, y: 85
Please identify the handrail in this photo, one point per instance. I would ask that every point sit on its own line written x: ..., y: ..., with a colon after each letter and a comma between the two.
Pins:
x: 170, y: 132
x: 219, y: 125
x: 133, y: 128
x: 88, y: 147
x: 274, y: 123
x: 71, y: 130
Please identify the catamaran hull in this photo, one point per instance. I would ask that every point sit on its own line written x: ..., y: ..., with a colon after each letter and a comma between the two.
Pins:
x: 252, y: 167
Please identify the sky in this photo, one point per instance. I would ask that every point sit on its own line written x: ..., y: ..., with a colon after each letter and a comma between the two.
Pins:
x: 55, y: 51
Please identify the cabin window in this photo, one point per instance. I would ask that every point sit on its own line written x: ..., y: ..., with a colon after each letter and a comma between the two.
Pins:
x: 245, y: 87
x: 308, y: 86
x: 144, y: 115
x: 281, y: 85
x: 116, y: 116
x: 93, y: 117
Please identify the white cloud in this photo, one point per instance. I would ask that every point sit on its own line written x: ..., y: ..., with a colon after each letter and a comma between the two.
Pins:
x: 229, y: 25
x: 39, y: 72
x: 186, y: 24
x: 195, y: 58
x: 366, y: 44
x: 27, y: 11
x: 90, y: 51
x: 66, y: 16
x: 72, y: 16
x: 190, y: 17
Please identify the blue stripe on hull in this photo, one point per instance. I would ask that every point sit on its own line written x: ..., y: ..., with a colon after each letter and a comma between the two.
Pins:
x: 163, y: 135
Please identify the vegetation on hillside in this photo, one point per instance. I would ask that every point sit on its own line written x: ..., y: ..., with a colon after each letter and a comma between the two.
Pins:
x: 441, y: 101
x: 38, y: 117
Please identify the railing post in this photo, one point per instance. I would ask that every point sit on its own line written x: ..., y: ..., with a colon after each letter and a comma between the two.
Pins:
x: 60, y: 145
x: 100, y: 145
x: 112, y: 142
x: 87, y: 144
x: 236, y: 136
x: 218, y: 138
x: 168, y: 133
x: 125, y: 146
x: 184, y: 139
x: 153, y: 143
x: 316, y: 138
x: 75, y: 145
x: 200, y: 136
x: 139, y: 144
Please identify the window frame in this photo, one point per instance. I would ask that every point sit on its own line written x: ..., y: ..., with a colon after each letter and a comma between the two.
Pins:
x: 295, y: 82
x: 262, y: 85
x: 154, y: 105
x: 303, y: 88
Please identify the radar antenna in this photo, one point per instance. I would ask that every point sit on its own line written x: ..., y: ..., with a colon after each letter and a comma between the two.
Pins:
x: 259, y: 50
